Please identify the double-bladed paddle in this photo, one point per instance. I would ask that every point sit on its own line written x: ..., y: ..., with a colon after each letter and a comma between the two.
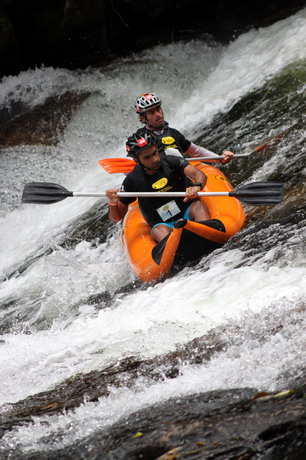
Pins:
x: 126, y: 165
x: 256, y: 193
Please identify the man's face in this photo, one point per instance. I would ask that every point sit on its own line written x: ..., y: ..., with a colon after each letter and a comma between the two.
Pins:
x: 149, y: 158
x: 155, y: 117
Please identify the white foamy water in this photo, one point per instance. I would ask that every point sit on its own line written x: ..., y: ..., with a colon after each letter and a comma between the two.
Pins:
x: 68, y: 335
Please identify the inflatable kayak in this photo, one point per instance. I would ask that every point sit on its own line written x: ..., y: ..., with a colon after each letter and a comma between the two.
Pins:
x: 189, y: 241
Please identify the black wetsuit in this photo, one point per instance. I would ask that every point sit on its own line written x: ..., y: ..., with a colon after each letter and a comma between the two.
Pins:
x: 168, y: 137
x: 169, y: 177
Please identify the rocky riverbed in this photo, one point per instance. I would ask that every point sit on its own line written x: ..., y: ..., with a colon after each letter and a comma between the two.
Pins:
x: 233, y: 424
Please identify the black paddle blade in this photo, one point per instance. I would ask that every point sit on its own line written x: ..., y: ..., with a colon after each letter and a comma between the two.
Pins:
x: 260, y: 193
x: 44, y: 193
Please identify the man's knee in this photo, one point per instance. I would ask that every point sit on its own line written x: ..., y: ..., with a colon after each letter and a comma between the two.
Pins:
x: 160, y: 231
x: 198, y: 211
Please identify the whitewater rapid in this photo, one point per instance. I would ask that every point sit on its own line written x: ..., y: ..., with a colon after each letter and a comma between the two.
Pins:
x: 56, y: 332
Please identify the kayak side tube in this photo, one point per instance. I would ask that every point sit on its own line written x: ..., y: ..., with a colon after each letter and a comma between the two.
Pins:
x: 151, y: 261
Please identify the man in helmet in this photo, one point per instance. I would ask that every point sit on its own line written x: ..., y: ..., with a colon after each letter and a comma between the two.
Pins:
x: 159, y: 174
x: 148, y: 107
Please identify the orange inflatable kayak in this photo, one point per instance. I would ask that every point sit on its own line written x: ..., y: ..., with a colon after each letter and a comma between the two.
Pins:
x: 189, y: 241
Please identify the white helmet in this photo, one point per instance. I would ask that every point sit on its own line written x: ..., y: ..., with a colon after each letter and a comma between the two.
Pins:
x: 146, y: 102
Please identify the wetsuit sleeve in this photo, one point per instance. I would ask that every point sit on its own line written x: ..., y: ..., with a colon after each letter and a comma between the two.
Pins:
x: 128, y: 185
x: 198, y: 151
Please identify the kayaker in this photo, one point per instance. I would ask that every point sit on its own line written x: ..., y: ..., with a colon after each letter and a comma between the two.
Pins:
x: 159, y: 174
x: 148, y: 107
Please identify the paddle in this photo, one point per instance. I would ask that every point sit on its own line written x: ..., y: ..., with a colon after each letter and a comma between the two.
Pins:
x: 256, y: 193
x: 124, y: 165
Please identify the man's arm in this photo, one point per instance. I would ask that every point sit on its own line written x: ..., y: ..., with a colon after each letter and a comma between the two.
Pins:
x: 196, y: 176
x: 117, y: 209
x: 197, y: 151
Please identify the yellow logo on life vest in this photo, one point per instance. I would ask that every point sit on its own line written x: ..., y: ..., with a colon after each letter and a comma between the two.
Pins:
x: 167, y: 140
x: 160, y: 183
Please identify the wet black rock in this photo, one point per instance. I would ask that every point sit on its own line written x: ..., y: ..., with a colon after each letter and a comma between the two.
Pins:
x: 240, y: 423
x: 231, y: 424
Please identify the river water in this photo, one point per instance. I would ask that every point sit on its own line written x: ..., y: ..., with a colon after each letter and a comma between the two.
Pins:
x: 69, y: 304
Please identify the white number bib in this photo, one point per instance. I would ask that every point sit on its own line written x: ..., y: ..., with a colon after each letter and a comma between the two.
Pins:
x: 168, y: 210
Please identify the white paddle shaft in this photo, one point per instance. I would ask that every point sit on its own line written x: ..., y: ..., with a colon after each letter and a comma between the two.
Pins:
x: 148, y: 194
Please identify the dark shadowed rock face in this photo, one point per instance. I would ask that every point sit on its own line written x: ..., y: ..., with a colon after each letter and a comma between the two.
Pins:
x: 78, y: 33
